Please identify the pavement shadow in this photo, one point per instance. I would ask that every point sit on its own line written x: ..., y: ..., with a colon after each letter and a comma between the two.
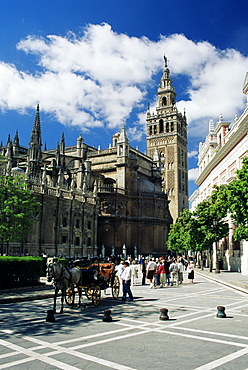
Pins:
x: 22, y: 321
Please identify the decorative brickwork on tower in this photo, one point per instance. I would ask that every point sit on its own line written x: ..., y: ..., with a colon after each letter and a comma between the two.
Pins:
x: 167, y: 133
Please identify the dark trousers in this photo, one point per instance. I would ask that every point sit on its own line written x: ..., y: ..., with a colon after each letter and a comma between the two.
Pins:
x: 143, y: 278
x: 127, y: 289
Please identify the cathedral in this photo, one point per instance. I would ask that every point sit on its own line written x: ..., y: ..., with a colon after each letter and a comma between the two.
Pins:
x: 116, y: 201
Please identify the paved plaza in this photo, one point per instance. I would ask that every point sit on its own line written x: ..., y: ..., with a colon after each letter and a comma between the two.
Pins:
x: 192, y: 338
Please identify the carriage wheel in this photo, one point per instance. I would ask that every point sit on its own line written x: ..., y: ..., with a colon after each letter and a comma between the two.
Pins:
x: 70, y: 295
x: 116, y: 287
x: 96, y: 295
x: 88, y: 292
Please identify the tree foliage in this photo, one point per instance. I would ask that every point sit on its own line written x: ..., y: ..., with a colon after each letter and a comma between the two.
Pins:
x: 233, y: 199
x: 198, y: 230
x: 17, y: 208
x: 237, y: 194
x: 179, y: 237
x: 209, y: 215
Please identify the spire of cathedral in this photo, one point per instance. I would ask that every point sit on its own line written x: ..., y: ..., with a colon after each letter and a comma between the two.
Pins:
x: 122, y: 143
x: 34, y: 152
x: 62, y: 143
x: 36, y: 131
x: 16, y: 144
x: 123, y: 136
x: 16, y: 139
x: 9, y: 155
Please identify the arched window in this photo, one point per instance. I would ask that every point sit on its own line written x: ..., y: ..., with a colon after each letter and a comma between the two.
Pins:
x: 164, y: 101
x: 161, y: 126
x: 109, y: 184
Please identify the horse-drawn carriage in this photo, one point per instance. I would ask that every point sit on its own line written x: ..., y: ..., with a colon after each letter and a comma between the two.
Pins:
x: 88, y: 277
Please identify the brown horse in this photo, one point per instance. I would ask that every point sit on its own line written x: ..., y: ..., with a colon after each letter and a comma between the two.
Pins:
x: 63, y: 277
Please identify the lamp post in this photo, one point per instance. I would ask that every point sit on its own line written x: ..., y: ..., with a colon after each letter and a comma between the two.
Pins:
x: 211, y: 259
x: 217, y: 264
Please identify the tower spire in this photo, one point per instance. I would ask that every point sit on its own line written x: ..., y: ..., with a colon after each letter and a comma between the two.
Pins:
x: 36, y: 131
x: 166, y: 92
x: 34, y: 152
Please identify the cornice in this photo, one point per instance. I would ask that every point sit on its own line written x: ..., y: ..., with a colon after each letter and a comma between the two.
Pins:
x: 234, y: 139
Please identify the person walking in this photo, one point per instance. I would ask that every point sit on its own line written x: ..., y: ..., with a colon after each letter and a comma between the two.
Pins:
x: 190, y: 271
x: 157, y: 276
x: 119, y: 270
x: 134, y: 273
x: 180, y: 270
x: 144, y: 266
x: 126, y: 282
x: 141, y: 262
x: 167, y: 271
x: 151, y: 270
x: 174, y: 272
x: 162, y: 275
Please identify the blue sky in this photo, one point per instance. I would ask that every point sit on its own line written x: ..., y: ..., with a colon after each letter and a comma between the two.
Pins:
x: 94, y: 65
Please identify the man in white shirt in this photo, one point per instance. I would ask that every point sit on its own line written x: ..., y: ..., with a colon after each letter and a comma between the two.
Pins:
x: 151, y: 270
x: 126, y: 280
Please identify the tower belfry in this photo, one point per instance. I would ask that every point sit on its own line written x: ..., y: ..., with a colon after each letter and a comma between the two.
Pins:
x: 167, y: 133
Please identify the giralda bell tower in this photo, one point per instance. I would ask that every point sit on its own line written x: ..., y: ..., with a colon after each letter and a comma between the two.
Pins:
x: 167, y: 135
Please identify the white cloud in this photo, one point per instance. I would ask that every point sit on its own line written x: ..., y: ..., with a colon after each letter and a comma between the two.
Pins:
x: 193, y: 154
x: 99, y: 77
x: 193, y: 173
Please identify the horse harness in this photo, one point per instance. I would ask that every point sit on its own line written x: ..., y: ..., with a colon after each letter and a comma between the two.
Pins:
x: 61, y: 277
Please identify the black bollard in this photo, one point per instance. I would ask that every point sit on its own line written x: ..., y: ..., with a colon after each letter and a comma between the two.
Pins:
x: 221, y: 312
x: 107, y: 316
x: 50, y: 316
x: 163, y: 314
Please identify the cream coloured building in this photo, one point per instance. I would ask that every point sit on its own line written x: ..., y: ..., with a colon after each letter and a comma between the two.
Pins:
x: 219, y: 157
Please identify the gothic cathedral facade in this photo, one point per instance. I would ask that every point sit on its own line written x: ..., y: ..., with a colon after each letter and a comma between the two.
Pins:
x: 167, y: 138
x: 115, y: 201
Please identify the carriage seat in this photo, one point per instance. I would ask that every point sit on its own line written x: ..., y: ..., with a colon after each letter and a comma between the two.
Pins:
x: 105, y: 269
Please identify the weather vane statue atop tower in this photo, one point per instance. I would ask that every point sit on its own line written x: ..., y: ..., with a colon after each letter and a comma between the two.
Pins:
x: 165, y: 61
